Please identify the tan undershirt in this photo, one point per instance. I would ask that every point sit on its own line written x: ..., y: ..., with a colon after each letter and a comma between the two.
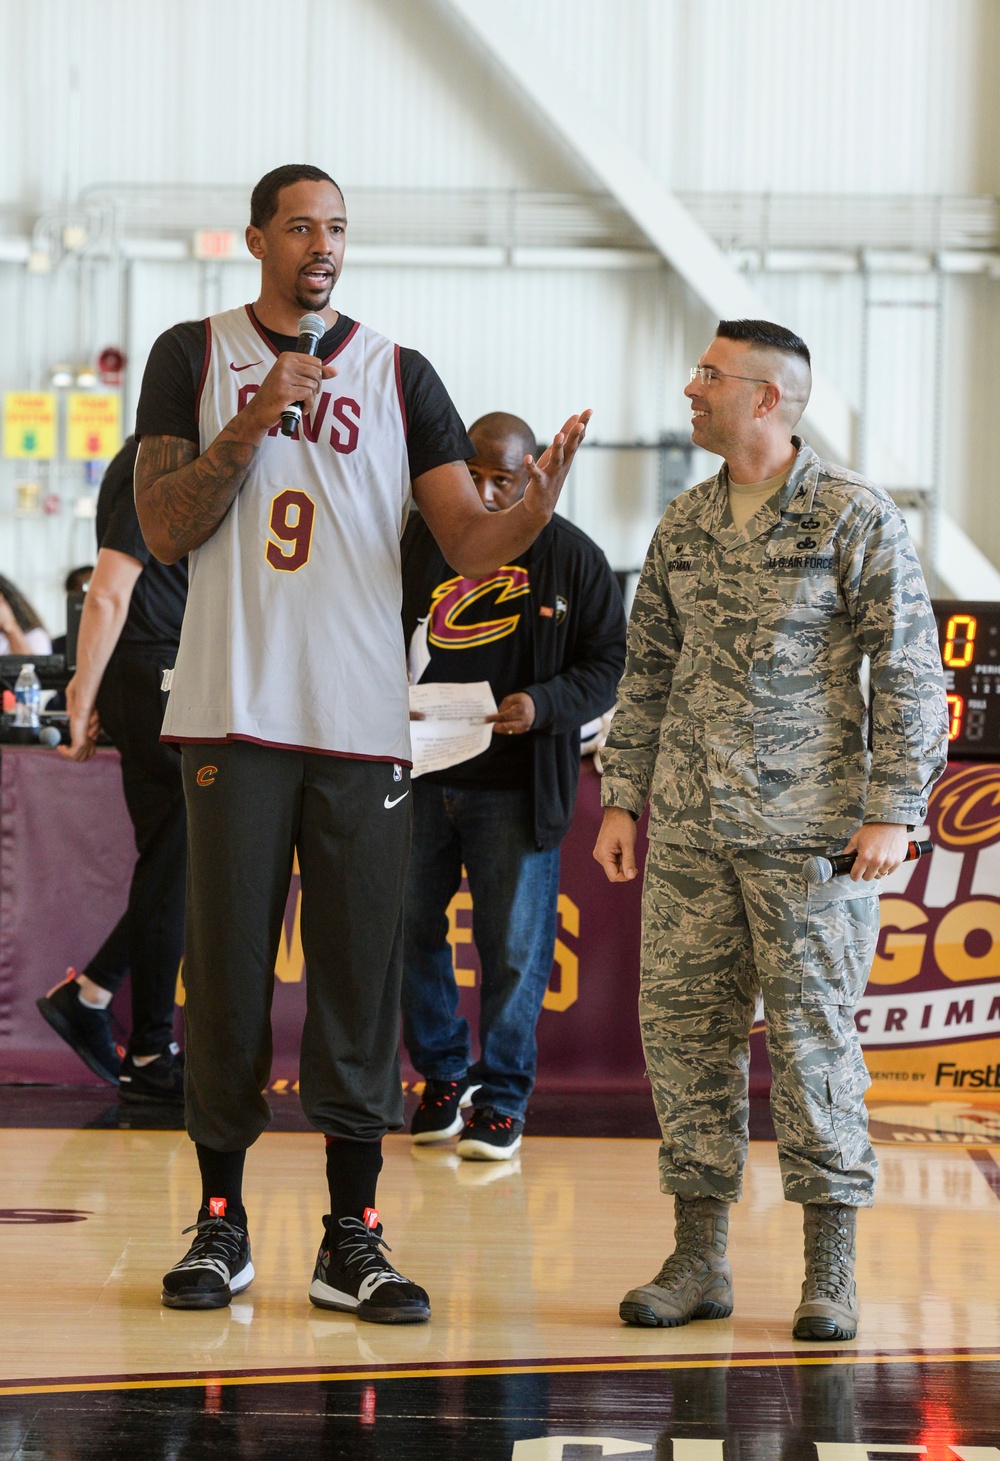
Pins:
x: 745, y: 500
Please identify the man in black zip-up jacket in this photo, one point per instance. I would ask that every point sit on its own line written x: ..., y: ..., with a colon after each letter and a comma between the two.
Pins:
x: 547, y: 630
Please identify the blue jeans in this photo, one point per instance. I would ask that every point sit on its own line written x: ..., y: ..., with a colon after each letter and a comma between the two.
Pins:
x: 515, y: 893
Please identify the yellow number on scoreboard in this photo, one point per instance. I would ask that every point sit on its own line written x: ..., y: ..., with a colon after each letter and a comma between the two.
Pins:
x: 956, y: 705
x: 960, y: 641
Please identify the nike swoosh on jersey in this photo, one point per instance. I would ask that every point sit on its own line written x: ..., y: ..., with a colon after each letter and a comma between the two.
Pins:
x: 238, y: 368
x: 387, y: 803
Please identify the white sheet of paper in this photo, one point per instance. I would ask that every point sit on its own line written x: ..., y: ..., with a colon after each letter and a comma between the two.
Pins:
x: 419, y: 656
x: 453, y: 729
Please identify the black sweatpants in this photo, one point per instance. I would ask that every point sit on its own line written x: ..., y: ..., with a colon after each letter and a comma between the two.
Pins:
x: 149, y: 939
x: 250, y: 808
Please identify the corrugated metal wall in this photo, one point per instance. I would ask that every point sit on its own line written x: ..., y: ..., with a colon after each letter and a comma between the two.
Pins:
x: 808, y: 96
x: 840, y: 96
x: 180, y: 91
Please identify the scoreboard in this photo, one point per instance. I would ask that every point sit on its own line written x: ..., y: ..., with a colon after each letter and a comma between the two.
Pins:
x: 969, y: 634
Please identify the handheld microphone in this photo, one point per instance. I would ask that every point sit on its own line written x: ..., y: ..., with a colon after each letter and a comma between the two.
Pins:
x: 311, y: 328
x: 821, y: 869
x: 49, y: 736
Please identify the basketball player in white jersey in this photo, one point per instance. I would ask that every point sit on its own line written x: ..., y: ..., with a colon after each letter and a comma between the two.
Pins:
x: 289, y: 703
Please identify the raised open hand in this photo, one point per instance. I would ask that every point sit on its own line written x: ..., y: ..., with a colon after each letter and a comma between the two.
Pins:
x: 547, y: 475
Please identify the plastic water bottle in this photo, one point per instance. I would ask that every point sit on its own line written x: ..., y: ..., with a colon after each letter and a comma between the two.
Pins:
x: 28, y: 695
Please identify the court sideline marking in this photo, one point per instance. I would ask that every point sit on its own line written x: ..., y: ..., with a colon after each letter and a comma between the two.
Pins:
x: 445, y: 1370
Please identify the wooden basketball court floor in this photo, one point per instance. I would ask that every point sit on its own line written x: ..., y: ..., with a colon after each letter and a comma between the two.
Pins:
x: 525, y: 1357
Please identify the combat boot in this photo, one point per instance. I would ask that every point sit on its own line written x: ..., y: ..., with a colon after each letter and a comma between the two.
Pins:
x: 829, y: 1307
x: 696, y: 1281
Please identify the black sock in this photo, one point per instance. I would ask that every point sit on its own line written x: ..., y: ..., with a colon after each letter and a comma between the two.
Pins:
x: 222, y: 1178
x: 352, y: 1169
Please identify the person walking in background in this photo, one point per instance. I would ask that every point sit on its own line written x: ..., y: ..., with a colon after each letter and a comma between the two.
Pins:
x: 129, y: 632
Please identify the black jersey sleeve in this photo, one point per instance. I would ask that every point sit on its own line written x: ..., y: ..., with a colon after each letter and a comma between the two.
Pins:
x: 117, y: 521
x: 169, y: 392
x: 435, y: 433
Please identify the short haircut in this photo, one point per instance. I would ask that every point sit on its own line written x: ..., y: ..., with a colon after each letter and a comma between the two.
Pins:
x: 264, y: 198
x: 763, y: 332
x: 77, y: 577
x: 497, y: 425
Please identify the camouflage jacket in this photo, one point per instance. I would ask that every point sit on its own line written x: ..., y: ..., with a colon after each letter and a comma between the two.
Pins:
x: 740, y: 714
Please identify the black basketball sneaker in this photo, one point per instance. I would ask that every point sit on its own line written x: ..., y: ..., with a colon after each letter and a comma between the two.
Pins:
x: 216, y: 1266
x: 353, y: 1274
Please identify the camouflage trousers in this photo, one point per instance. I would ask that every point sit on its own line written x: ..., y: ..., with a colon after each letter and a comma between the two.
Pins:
x: 718, y: 929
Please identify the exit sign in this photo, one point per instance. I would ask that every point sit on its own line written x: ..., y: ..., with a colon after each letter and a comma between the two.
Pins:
x: 216, y: 243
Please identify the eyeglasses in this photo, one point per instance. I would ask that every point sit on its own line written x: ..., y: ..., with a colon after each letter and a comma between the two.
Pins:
x: 708, y: 373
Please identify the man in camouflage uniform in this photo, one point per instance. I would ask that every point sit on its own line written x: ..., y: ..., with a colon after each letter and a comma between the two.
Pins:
x: 741, y: 719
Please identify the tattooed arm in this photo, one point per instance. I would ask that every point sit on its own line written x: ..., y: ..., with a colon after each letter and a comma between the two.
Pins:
x: 181, y: 497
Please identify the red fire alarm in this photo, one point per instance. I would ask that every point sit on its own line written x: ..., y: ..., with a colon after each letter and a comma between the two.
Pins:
x: 110, y: 364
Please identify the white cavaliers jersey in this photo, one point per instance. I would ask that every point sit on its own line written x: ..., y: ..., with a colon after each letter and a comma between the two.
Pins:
x: 292, y: 634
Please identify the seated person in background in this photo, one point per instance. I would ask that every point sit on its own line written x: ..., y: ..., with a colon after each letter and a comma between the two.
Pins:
x: 548, y: 633
x: 77, y: 581
x: 21, y: 630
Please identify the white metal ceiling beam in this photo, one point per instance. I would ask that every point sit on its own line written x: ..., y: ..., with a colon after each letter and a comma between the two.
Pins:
x: 556, y: 95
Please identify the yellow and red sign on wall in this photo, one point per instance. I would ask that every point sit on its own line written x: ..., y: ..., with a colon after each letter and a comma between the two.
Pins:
x: 29, y: 425
x: 93, y: 425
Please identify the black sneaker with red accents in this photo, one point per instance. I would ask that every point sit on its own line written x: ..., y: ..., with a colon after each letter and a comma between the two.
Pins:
x: 353, y: 1274
x: 216, y: 1266
x: 85, y: 1029
x: 490, y: 1137
x: 439, y: 1115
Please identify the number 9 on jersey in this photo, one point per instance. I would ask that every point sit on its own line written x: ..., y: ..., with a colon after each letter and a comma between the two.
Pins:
x: 292, y: 516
